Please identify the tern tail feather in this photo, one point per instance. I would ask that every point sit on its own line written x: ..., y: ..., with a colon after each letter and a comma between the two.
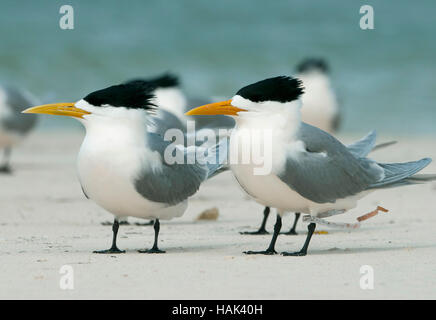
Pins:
x: 364, y: 146
x: 384, y: 145
x: 398, y: 174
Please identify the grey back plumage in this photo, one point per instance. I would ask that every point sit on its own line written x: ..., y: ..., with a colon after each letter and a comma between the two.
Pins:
x: 173, y: 183
x: 17, y: 101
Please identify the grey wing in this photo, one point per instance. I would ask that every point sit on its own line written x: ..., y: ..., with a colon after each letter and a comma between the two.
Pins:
x: 164, y: 120
x: 17, y: 101
x: 367, y: 144
x: 169, y: 184
x: 402, y: 173
x: 326, y: 170
x: 364, y: 146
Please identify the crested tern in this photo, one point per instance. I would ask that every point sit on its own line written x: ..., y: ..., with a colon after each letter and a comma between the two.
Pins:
x: 170, y: 114
x: 320, y: 108
x: 13, y: 125
x: 312, y: 172
x: 122, y: 165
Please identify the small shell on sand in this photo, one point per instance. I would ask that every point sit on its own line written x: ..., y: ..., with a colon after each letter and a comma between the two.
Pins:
x: 209, y: 214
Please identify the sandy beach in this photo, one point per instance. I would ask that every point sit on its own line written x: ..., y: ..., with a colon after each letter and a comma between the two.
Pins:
x: 46, y: 222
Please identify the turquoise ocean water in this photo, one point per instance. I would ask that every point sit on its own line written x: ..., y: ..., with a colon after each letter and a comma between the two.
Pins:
x: 386, y: 77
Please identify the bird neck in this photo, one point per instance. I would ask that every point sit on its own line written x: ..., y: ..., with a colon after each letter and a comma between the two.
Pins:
x: 108, y: 132
x: 286, y: 119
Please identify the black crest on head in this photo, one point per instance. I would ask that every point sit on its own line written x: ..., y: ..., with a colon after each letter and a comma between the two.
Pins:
x: 166, y: 80
x: 281, y: 89
x: 311, y: 64
x: 134, y: 95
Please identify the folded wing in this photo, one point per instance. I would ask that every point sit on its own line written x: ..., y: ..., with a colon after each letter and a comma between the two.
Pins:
x: 326, y: 170
x: 174, y: 183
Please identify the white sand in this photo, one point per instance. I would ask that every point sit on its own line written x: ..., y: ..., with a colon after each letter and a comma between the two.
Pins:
x: 46, y: 222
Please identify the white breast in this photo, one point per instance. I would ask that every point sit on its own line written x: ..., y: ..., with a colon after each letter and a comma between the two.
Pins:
x: 268, y: 189
x: 108, y: 164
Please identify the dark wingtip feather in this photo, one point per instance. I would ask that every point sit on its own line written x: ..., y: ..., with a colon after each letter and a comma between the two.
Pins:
x: 384, y: 145
x: 428, y: 159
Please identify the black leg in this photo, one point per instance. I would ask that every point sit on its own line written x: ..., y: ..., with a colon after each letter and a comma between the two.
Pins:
x: 113, y: 248
x: 5, y: 167
x: 262, y: 229
x: 155, y: 249
x: 311, y: 228
x: 271, y: 247
x: 120, y: 223
x: 292, y: 232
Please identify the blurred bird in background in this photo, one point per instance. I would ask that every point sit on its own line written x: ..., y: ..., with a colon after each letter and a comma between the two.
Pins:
x: 320, y: 104
x: 14, y: 126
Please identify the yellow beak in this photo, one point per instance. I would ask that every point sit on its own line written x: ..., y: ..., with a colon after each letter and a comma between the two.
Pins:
x: 223, y: 107
x: 58, y: 109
